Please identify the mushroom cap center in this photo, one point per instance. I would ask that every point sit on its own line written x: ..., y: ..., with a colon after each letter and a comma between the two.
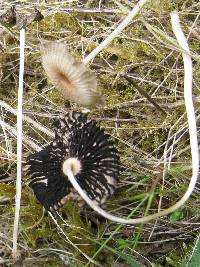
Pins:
x: 72, y: 164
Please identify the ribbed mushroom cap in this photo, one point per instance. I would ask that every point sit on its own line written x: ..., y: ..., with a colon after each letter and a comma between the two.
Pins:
x: 70, y: 76
x: 95, y: 162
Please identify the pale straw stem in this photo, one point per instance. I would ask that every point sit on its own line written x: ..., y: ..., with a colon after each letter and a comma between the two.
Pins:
x: 19, y: 145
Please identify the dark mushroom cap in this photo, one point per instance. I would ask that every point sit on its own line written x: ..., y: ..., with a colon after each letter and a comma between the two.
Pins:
x: 80, y: 138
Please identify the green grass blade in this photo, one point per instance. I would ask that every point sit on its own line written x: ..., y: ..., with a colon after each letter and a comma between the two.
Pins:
x: 194, y: 259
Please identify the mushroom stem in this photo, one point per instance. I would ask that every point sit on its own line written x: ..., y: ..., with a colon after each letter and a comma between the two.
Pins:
x: 193, y: 141
x: 111, y: 217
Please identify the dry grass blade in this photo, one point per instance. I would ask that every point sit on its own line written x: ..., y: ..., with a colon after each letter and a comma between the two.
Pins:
x: 117, y: 31
x: 19, y: 146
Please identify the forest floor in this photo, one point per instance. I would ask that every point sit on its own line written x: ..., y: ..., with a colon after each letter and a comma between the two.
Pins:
x: 153, y: 141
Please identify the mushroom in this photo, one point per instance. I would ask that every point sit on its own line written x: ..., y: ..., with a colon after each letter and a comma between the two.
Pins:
x: 70, y: 76
x: 81, y: 144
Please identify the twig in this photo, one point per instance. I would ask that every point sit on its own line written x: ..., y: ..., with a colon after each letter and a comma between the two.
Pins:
x: 37, y: 125
x: 133, y: 103
x: 94, y: 10
x: 147, y: 96
x: 117, y: 31
x: 29, y: 261
x: 116, y: 120
x: 26, y: 140
x: 19, y: 146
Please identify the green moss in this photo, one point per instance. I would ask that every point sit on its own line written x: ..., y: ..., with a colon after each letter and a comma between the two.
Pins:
x: 7, y: 190
x: 160, y: 6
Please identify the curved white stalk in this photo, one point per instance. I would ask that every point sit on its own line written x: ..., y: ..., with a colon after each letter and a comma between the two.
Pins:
x: 193, y: 140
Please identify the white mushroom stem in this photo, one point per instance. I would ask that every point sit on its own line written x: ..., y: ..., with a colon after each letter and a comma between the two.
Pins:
x: 193, y: 140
